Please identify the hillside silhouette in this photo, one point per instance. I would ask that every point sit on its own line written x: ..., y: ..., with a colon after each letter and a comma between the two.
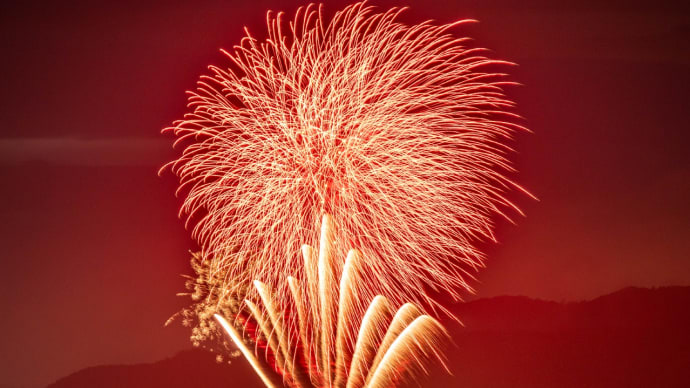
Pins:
x: 632, y: 338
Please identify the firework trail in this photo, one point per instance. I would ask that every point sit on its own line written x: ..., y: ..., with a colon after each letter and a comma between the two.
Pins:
x: 397, y: 131
x: 373, y: 350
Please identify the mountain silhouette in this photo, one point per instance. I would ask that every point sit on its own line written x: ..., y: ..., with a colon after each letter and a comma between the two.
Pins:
x: 635, y: 337
x: 189, y: 368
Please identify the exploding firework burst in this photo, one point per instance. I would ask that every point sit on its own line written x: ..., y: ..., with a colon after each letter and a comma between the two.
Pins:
x: 332, y: 346
x: 397, y: 131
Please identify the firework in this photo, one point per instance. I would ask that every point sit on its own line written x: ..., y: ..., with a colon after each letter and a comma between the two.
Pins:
x: 373, y: 350
x: 397, y: 131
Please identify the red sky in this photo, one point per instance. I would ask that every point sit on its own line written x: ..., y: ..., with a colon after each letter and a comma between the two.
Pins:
x: 91, y: 243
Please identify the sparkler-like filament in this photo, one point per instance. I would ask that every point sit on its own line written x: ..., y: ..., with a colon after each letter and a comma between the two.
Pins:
x: 406, y: 346
x: 385, y: 345
x: 246, y: 352
x: 397, y: 131
x: 369, y: 336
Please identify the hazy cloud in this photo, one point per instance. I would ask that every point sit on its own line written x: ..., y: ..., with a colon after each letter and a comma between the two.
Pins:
x: 85, y: 152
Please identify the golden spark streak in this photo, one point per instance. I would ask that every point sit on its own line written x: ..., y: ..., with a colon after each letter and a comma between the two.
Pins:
x: 326, y: 294
x: 347, y: 294
x: 403, y: 317
x: 367, y: 341
x: 237, y: 339
x: 403, y: 348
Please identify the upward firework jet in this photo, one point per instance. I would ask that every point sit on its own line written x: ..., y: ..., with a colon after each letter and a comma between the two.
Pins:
x: 397, y: 131
x: 332, y: 346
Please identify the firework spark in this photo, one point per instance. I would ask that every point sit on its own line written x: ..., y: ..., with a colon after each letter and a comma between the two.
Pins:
x: 397, y: 131
x: 373, y: 351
